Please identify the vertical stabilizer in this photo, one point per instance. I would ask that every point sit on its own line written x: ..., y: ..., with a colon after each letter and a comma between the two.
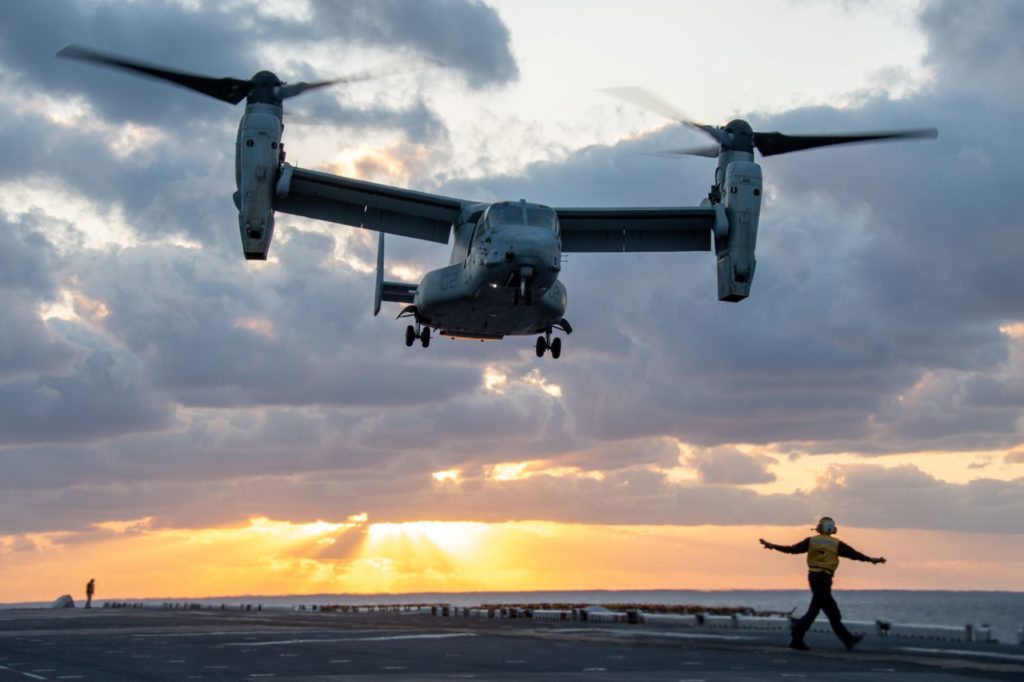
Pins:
x: 380, y: 275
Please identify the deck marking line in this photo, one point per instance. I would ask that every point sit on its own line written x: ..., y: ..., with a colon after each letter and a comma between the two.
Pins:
x: 389, y: 638
x: 32, y: 675
x: 963, y: 652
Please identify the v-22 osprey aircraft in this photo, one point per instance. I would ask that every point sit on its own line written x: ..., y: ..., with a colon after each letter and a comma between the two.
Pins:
x: 502, y: 276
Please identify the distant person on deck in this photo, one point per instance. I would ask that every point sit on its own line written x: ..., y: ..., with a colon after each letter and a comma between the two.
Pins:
x: 823, y: 552
x: 90, y: 589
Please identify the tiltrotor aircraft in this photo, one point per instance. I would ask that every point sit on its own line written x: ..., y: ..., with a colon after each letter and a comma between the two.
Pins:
x: 502, y: 277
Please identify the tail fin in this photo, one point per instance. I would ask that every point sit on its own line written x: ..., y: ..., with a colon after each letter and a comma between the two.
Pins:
x: 390, y: 291
x: 380, y: 275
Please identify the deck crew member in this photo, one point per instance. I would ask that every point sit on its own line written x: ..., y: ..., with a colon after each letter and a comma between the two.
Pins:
x: 823, y: 552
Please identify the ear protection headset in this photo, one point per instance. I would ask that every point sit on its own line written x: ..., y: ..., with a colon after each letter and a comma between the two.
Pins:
x: 826, y: 525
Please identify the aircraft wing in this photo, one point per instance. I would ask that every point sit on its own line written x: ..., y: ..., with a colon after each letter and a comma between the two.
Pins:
x: 636, y: 229
x: 359, y: 203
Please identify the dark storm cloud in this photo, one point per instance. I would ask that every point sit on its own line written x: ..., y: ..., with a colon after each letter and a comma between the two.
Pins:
x: 219, y: 41
x: 464, y: 34
x: 27, y: 345
x: 26, y: 258
x: 105, y: 395
x: 26, y: 282
x: 976, y: 47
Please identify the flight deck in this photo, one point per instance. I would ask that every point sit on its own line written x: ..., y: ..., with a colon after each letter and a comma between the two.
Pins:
x: 102, y: 644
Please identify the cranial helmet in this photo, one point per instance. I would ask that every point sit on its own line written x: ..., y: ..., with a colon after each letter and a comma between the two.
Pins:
x: 826, y: 525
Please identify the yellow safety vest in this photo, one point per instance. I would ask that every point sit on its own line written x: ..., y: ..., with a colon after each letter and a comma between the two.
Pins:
x: 823, y: 554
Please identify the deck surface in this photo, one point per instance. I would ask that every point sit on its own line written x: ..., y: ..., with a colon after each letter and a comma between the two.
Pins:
x: 151, y: 644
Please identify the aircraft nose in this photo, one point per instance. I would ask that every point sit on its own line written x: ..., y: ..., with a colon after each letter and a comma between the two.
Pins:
x: 531, y: 244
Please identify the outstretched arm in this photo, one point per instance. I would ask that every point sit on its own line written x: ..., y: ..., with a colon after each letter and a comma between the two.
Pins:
x: 798, y: 548
x: 848, y: 552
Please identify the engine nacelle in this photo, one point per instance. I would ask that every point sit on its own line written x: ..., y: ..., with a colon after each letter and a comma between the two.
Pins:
x: 257, y: 159
x: 734, y: 246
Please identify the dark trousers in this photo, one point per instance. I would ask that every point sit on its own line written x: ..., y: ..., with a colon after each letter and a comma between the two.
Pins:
x: 821, y: 600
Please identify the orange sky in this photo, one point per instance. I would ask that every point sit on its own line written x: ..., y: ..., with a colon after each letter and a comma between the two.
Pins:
x: 130, y: 560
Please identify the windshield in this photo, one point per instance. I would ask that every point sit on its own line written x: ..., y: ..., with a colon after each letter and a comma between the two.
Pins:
x: 505, y: 214
x: 540, y: 217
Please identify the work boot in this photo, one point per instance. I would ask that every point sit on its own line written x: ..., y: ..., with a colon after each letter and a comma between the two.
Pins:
x: 799, y: 645
x: 852, y: 642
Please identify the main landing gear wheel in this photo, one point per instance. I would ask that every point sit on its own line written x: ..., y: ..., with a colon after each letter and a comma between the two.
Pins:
x: 546, y: 343
x: 412, y: 334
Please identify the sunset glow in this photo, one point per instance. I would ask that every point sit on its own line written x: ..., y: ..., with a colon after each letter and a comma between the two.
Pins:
x: 130, y: 560
x: 179, y: 419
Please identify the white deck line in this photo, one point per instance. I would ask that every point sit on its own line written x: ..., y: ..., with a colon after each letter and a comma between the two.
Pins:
x: 390, y: 638
x: 19, y: 672
x: 654, y: 632
x: 963, y: 652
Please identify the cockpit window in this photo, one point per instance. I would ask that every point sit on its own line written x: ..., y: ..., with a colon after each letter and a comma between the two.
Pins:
x: 505, y: 214
x: 540, y: 217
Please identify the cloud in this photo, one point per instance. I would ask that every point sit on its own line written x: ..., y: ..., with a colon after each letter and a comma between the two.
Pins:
x: 465, y: 35
x: 973, y: 49
x: 887, y: 278
x: 905, y: 497
x: 236, y: 41
x: 725, y: 465
x: 104, y: 395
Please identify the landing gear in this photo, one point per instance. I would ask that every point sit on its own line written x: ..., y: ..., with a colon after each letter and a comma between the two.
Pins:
x: 545, y: 343
x: 521, y: 292
x: 413, y: 333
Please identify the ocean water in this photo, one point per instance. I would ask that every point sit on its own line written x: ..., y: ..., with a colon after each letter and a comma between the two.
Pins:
x: 1002, y: 611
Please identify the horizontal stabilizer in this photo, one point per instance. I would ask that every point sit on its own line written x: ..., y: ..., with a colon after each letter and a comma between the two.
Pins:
x: 399, y: 292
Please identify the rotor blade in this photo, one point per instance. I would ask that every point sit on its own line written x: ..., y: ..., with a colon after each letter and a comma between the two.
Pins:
x: 230, y: 90
x: 382, y: 71
x: 770, y: 144
x: 292, y: 89
x: 646, y: 99
x: 711, y: 151
x: 392, y: 69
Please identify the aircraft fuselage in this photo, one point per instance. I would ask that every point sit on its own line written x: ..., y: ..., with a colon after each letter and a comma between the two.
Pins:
x: 503, y: 275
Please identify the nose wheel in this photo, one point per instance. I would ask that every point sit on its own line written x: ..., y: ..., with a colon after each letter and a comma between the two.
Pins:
x: 546, y: 343
x: 521, y: 292
x: 417, y: 332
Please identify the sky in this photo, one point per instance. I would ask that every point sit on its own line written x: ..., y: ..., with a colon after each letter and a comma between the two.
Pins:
x: 178, y: 422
